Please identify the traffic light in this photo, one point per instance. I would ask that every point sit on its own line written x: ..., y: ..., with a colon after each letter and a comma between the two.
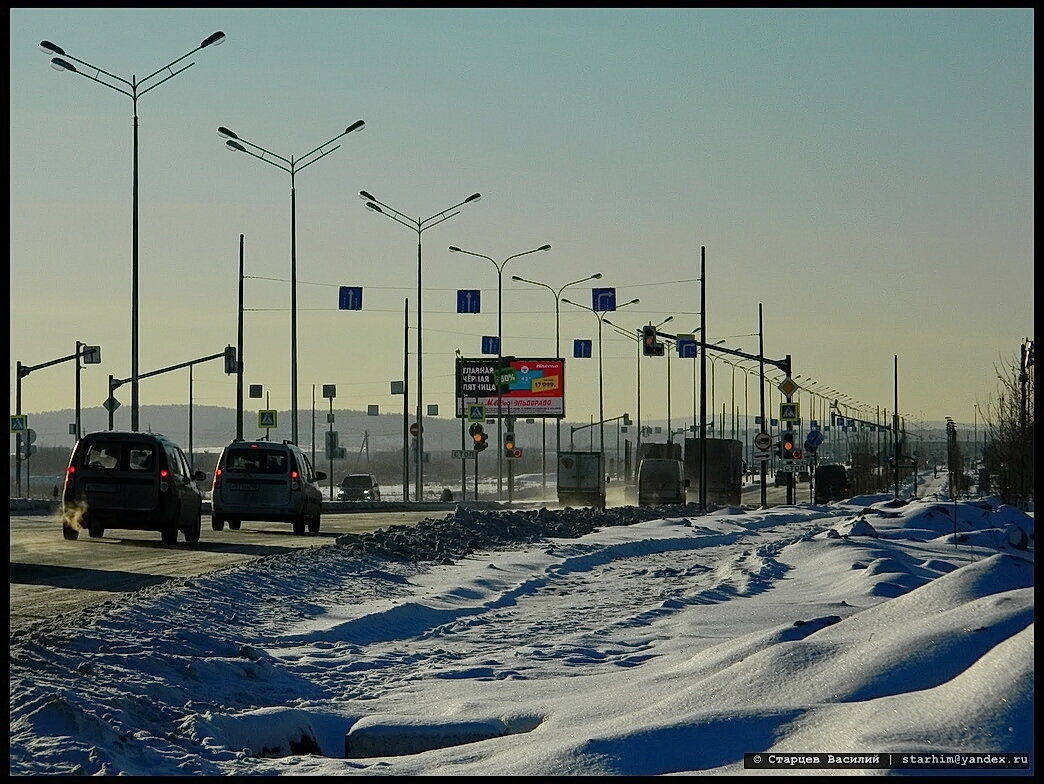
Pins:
x: 509, y: 440
x: 786, y: 442
x: 651, y: 347
x: 478, y: 435
x: 231, y: 366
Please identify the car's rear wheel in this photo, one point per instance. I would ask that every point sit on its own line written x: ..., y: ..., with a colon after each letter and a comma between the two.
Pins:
x: 217, y: 523
x: 299, y: 525
x: 96, y: 531
x: 313, y: 523
x: 193, y: 531
x: 169, y: 535
x: 234, y: 524
x: 70, y: 532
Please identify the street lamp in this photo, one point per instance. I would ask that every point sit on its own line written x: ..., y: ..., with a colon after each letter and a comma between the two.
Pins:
x: 600, y: 315
x: 133, y: 90
x: 500, y: 348
x: 291, y: 166
x: 558, y: 351
x: 419, y: 226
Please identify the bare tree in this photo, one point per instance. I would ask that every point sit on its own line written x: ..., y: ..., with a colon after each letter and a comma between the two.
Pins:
x: 1009, y: 420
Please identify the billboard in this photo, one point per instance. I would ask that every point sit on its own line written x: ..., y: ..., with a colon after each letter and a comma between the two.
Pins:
x: 528, y: 387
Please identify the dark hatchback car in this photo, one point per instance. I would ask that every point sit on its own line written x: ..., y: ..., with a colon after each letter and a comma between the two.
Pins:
x: 266, y: 481
x: 359, y: 487
x: 131, y: 481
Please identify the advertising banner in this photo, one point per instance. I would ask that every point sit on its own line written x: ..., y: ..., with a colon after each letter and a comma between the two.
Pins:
x: 527, y: 387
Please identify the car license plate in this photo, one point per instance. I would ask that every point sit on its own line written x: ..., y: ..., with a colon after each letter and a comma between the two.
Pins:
x: 245, y: 487
x: 94, y: 487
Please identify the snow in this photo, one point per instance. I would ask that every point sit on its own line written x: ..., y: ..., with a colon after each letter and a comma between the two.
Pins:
x: 620, y: 645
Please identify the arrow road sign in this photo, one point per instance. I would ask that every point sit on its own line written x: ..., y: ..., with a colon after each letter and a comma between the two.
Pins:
x: 468, y: 300
x: 490, y: 344
x: 349, y: 298
x: 582, y: 348
x: 603, y: 299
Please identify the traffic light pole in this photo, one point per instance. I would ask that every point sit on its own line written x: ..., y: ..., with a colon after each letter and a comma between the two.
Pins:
x: 114, y: 383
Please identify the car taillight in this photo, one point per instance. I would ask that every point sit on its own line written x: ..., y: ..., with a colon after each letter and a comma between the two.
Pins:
x: 295, y: 481
x: 217, y: 478
x: 68, y: 477
x: 164, y: 473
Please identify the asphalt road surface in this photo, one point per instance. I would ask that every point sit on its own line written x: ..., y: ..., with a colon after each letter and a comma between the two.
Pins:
x: 50, y: 576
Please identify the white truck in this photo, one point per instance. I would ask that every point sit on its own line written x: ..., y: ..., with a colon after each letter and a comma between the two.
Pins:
x: 581, y: 479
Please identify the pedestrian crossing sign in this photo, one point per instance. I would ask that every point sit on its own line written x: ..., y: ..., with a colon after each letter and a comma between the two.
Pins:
x: 476, y: 413
x: 18, y: 423
x: 266, y: 419
x: 788, y: 412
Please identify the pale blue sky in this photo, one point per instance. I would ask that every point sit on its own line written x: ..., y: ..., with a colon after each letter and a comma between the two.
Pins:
x: 865, y: 175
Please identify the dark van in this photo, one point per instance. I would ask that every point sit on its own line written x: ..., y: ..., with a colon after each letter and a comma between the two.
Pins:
x: 831, y: 484
x: 131, y: 481
x: 661, y: 481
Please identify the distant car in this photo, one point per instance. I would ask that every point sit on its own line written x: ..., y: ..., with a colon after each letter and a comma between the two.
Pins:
x: 804, y: 476
x: 359, y: 487
x: 781, y: 479
x: 131, y: 481
x: 266, y: 481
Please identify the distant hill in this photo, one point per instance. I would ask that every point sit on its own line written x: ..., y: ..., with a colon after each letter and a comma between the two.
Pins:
x: 215, y: 426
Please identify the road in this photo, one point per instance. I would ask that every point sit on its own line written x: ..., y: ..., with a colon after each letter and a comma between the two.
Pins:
x: 50, y: 575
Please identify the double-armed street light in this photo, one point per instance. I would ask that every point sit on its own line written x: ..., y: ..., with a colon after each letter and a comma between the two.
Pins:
x: 600, y: 315
x: 291, y: 166
x: 558, y: 351
x: 132, y: 88
x: 499, y: 266
x: 419, y: 226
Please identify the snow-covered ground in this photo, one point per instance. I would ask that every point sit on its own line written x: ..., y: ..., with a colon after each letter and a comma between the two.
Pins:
x: 560, y: 643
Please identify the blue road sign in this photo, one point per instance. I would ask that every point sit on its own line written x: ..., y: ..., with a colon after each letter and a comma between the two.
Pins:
x: 603, y: 299
x: 813, y: 439
x: 350, y: 298
x: 582, y: 348
x: 490, y: 344
x: 687, y: 346
x: 467, y: 300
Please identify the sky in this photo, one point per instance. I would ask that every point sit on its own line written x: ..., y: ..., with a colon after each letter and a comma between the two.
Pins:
x: 861, y: 178
x: 669, y: 646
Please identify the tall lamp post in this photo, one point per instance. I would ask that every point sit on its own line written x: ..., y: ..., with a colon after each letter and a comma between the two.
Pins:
x: 600, y: 315
x: 291, y: 166
x: 132, y: 90
x: 419, y: 226
x: 499, y: 266
x: 558, y: 351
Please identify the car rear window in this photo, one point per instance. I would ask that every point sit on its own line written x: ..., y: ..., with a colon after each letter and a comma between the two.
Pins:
x: 256, y: 461
x: 120, y: 456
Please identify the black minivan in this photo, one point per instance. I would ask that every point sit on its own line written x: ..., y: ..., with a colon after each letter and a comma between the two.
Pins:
x: 131, y: 481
